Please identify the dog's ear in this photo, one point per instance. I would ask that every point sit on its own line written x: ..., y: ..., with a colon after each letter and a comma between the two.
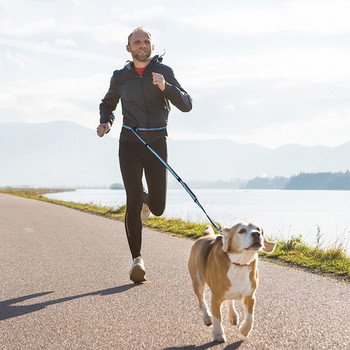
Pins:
x: 225, y: 238
x: 269, y: 247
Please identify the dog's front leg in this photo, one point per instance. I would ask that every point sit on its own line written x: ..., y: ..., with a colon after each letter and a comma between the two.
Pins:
x: 218, y: 330
x: 232, y: 313
x: 247, y: 324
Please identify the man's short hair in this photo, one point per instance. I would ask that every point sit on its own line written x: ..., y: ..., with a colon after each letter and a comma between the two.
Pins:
x: 138, y: 29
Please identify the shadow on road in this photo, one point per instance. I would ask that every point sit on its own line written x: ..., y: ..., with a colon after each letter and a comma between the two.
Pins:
x: 8, y: 310
x: 212, y: 344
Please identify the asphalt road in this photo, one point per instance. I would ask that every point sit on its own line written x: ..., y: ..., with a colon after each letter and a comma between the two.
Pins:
x: 64, y: 284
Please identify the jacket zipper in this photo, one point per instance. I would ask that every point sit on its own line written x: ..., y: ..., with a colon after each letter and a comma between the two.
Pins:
x: 143, y: 93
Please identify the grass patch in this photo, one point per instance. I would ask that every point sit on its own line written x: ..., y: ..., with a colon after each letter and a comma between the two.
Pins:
x: 176, y: 226
x: 332, y: 261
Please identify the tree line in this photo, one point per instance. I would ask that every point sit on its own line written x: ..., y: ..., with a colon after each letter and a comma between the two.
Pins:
x: 303, y: 181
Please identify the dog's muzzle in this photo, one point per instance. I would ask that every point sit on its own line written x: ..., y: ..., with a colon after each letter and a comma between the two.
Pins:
x: 257, y: 240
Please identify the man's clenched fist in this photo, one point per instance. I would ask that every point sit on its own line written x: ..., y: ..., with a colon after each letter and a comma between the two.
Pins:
x: 102, y: 129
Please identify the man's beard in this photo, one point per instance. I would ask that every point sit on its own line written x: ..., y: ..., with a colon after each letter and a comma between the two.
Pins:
x: 142, y: 57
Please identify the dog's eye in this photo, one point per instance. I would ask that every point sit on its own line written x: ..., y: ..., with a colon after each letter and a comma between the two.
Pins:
x: 242, y: 230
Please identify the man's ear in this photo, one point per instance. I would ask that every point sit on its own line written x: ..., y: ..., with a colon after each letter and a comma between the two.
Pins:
x: 128, y: 48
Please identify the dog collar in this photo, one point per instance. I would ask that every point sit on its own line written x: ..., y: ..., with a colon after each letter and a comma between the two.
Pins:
x: 235, y: 263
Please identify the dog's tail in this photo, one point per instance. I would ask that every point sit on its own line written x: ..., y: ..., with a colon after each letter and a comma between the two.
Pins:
x: 208, y: 231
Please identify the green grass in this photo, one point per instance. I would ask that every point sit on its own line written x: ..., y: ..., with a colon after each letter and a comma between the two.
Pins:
x: 176, y: 226
x: 331, y: 261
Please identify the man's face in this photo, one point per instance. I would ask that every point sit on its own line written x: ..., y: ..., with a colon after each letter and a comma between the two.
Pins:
x: 140, y: 47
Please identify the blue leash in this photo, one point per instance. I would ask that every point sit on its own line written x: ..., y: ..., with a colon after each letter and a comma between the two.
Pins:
x: 177, y: 177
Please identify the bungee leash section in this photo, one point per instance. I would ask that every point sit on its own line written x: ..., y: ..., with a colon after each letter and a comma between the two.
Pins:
x: 177, y: 177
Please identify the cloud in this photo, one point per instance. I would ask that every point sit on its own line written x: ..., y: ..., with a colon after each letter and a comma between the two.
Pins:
x: 61, y: 99
x: 329, y: 128
x: 259, y: 70
x: 44, y: 27
x: 47, y: 48
x: 111, y: 33
x: 253, y: 101
x: 284, y: 67
x: 140, y: 14
x: 12, y: 28
x: 18, y: 60
x: 4, y: 4
x: 65, y: 42
x: 105, y: 33
x: 311, y: 17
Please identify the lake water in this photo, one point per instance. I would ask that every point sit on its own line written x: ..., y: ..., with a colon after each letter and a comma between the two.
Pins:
x: 281, y: 213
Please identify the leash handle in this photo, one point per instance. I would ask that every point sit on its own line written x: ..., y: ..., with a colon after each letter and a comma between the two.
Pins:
x: 177, y: 177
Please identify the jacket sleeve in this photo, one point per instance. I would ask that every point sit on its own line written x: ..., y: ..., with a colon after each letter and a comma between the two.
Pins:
x: 176, y: 94
x: 110, y: 102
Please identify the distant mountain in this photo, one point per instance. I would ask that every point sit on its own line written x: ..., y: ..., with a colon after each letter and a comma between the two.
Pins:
x: 67, y: 154
x: 214, y: 160
x: 56, y: 154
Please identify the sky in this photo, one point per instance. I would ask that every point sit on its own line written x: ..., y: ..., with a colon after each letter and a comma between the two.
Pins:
x: 268, y: 72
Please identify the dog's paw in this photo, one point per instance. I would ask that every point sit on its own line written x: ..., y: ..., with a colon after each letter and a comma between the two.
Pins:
x: 245, y: 328
x: 232, y: 313
x: 234, y: 318
x: 207, y: 320
x: 219, y: 337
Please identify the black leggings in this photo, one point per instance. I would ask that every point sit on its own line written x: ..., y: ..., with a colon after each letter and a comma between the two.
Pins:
x: 134, y: 159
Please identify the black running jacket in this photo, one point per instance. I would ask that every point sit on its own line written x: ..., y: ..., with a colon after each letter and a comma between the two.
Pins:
x: 144, y: 105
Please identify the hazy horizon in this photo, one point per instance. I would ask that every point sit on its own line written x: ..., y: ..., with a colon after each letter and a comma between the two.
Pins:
x: 66, y: 153
x: 117, y: 128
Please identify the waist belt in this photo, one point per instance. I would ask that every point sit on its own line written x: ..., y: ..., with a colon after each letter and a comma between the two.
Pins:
x: 143, y: 129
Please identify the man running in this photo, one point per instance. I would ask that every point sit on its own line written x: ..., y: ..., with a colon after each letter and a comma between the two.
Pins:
x: 145, y: 86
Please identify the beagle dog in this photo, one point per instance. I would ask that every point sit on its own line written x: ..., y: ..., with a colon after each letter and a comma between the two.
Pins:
x: 227, y: 263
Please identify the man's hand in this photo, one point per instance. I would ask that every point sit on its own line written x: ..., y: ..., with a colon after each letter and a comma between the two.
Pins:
x: 102, y: 129
x: 158, y: 80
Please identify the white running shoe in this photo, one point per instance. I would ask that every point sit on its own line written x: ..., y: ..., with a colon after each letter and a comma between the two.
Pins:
x: 145, y: 212
x: 137, y: 271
